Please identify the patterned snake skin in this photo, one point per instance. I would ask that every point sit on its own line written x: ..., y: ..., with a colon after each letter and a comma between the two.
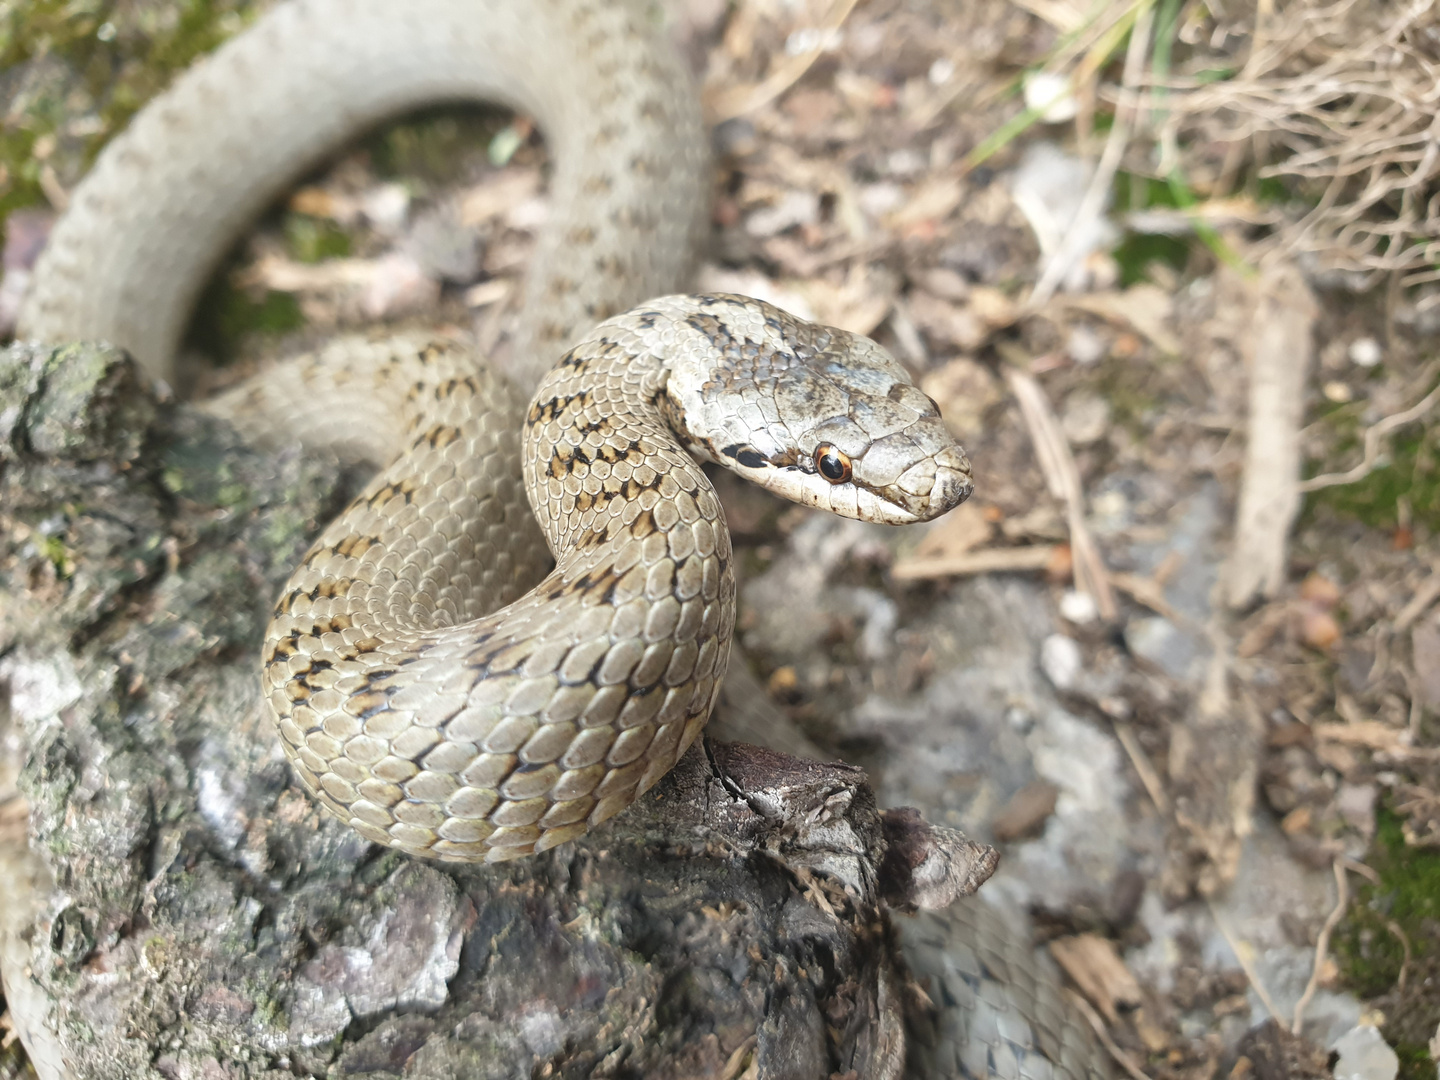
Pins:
x: 410, y: 706
x: 431, y: 721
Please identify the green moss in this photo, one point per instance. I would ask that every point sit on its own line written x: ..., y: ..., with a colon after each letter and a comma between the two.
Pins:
x: 98, y: 62
x: 1412, y: 473
x: 53, y: 549
x: 225, y: 314
x: 436, y: 144
x: 313, y: 239
x: 1371, y: 954
x: 1137, y: 251
x: 1135, y: 192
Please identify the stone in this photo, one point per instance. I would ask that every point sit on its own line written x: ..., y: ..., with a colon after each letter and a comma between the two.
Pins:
x: 1061, y: 661
x: 1364, y: 1055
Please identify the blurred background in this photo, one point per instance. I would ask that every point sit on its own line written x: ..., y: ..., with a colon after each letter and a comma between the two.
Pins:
x: 1172, y: 270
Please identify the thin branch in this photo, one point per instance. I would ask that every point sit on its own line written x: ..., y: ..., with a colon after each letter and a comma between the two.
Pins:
x: 1322, y: 943
x: 1242, y: 954
x: 1124, y: 1060
x: 1373, y: 434
x: 1062, y: 476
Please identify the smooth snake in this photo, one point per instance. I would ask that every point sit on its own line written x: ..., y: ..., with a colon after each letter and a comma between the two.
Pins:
x: 411, y: 706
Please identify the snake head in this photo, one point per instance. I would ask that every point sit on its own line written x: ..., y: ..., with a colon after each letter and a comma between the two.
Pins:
x: 821, y: 416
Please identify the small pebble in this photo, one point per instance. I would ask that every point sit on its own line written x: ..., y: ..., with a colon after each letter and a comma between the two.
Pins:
x: 1061, y: 661
x: 1084, y: 346
x: 1078, y: 608
x: 1365, y: 352
x: 1365, y: 1055
x: 1051, y: 96
x: 386, y: 207
x: 1338, y: 392
x: 1160, y: 642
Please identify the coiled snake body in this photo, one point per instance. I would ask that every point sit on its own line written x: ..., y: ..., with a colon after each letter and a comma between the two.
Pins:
x: 409, y: 705
x: 434, y: 723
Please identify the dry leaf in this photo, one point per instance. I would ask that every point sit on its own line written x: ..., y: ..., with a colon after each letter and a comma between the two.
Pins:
x: 959, y: 531
x: 947, y: 323
x: 1094, y: 965
x: 1026, y: 812
x: 500, y: 193
x: 1144, y: 308
x: 933, y: 200
x: 1368, y: 733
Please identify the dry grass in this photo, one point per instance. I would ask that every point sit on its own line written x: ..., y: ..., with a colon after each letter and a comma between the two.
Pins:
x: 1338, y: 101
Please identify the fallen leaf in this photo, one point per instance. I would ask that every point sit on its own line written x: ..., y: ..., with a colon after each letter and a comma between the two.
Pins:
x: 1372, y: 734
x: 964, y: 390
x: 1094, y: 964
x: 499, y: 193
x: 933, y: 200
x: 1144, y: 308
x: 1026, y: 811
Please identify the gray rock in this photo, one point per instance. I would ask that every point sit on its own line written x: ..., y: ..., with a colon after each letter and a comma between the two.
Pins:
x: 1160, y: 642
x: 1061, y: 661
x: 1364, y: 1055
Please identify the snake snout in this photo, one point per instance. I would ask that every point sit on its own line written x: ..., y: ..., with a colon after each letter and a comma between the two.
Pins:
x: 953, y: 482
x: 935, y: 485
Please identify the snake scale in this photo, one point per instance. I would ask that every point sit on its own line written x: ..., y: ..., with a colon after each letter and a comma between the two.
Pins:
x: 426, y: 690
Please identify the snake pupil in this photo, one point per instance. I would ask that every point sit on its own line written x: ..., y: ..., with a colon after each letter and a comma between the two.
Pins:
x: 833, y: 464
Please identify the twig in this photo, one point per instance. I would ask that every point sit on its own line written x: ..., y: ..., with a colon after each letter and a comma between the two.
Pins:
x: 983, y: 561
x: 1143, y: 766
x: 1093, y: 204
x: 1062, y: 476
x: 1369, y: 873
x: 1373, y: 434
x: 1322, y: 943
x: 1241, y: 950
x: 1279, y: 353
x: 1394, y: 928
x: 739, y: 100
x: 1124, y: 1060
x: 1148, y: 591
x: 1425, y: 595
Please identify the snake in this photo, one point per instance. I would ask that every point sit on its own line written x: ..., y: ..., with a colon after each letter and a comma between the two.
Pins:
x: 426, y: 689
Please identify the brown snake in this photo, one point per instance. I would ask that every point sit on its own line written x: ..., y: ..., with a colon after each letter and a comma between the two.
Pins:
x: 409, y: 705
x: 433, y: 722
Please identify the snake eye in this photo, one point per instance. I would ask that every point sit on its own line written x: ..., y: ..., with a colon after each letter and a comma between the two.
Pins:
x: 832, y: 463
